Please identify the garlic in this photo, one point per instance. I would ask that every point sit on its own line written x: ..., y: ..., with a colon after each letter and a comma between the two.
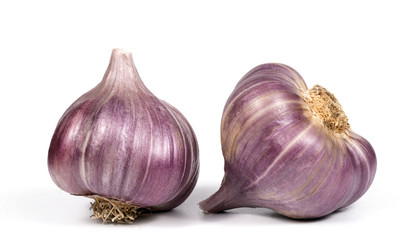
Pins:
x: 124, y: 147
x: 288, y: 148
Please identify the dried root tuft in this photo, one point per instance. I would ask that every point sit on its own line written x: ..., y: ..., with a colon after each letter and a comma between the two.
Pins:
x: 110, y: 210
x: 327, y: 109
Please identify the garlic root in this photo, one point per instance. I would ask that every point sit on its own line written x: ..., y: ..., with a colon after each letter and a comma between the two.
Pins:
x: 110, y: 210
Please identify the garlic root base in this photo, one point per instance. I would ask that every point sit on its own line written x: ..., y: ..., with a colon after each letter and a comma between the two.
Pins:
x: 110, y: 210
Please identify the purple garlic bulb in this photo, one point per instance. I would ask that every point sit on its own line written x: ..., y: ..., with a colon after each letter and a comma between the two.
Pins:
x: 289, y: 148
x: 124, y: 147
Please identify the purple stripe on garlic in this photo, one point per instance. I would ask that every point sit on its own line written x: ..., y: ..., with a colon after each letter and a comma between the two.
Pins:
x: 289, y: 148
x: 120, y: 142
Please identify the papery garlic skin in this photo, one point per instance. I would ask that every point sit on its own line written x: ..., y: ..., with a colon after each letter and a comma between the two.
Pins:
x: 280, y: 155
x: 121, y: 142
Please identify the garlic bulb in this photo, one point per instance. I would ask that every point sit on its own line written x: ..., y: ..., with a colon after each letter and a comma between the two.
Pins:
x: 288, y: 148
x: 124, y: 147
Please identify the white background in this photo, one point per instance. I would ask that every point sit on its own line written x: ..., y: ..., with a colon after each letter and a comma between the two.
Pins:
x: 192, y: 54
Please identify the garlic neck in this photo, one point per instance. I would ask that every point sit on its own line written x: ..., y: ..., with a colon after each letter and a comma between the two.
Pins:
x: 121, y: 72
x: 327, y: 109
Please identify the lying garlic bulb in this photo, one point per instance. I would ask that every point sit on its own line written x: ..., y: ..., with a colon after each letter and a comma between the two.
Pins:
x: 122, y: 146
x: 288, y: 148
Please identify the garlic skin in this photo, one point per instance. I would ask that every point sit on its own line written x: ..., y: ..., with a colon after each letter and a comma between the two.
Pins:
x: 120, y: 142
x: 288, y: 148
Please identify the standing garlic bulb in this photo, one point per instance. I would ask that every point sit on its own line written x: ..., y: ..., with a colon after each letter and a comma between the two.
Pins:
x: 122, y: 146
x: 288, y: 148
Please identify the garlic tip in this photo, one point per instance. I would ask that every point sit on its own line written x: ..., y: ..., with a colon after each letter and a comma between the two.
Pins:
x: 121, y: 51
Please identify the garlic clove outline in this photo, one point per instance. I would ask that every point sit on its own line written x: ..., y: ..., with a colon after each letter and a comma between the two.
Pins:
x: 289, y: 148
x: 119, y: 141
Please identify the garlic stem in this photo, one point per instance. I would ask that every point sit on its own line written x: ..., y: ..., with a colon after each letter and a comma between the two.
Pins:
x: 122, y: 73
x: 218, y: 202
x: 225, y: 198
